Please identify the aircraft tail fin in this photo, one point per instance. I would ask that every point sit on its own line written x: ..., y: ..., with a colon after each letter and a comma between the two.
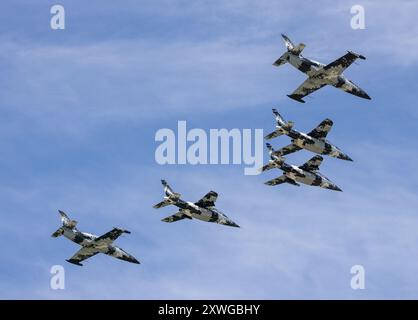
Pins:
x: 66, y: 221
x: 281, y: 122
x: 270, y: 148
x: 170, y: 196
x: 297, y: 50
x: 279, y: 119
x: 168, y: 191
x: 282, y: 126
x: 275, y: 155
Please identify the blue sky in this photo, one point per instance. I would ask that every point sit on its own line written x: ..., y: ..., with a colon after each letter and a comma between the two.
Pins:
x: 80, y: 108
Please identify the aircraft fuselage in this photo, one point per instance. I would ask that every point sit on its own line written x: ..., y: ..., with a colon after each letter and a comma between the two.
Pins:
x: 205, y: 214
x: 319, y: 146
x: 306, y: 177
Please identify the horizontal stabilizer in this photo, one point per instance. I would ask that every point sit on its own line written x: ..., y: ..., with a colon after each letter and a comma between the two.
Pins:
x: 298, y: 49
x: 273, y: 134
x: 58, y: 233
x: 281, y: 60
x: 162, y: 204
x: 267, y: 167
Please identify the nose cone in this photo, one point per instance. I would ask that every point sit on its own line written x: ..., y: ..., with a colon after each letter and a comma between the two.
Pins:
x: 229, y: 223
x: 362, y: 94
x: 344, y: 157
x: 333, y: 187
x: 131, y: 259
x: 232, y: 224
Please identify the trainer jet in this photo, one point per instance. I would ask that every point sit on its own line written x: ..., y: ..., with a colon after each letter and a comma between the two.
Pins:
x: 204, y: 209
x: 306, y: 173
x: 313, y: 141
x: 91, y: 244
x: 318, y: 73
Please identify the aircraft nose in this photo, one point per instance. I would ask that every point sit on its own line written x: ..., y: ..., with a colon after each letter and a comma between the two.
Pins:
x: 131, y: 259
x: 364, y: 95
x: 334, y: 187
x: 233, y: 224
x: 344, y: 157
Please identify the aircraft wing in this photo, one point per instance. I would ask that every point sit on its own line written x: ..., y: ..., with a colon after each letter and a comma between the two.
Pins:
x: 288, y: 149
x: 321, y: 131
x: 176, y: 217
x: 208, y: 200
x: 312, y: 164
x: 307, y: 87
x: 338, y: 66
x: 83, y: 254
x: 280, y: 180
x: 110, y: 236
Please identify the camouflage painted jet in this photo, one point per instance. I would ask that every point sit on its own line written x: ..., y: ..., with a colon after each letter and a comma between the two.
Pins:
x: 306, y: 173
x: 91, y: 244
x: 204, y: 209
x: 318, y: 73
x: 313, y: 141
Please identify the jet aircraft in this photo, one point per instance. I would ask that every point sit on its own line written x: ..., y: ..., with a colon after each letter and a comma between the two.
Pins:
x: 91, y: 244
x: 307, y: 173
x: 314, y: 141
x: 319, y: 74
x: 204, y: 209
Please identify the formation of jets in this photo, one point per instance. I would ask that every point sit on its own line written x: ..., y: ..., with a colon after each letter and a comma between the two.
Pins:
x: 319, y: 74
x: 315, y: 141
